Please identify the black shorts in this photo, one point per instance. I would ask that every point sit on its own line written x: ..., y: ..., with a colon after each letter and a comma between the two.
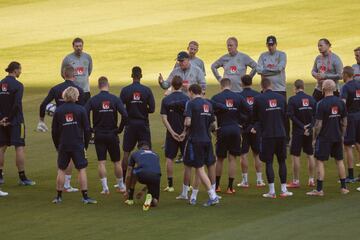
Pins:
x: 172, y: 147
x: 78, y: 158
x: 228, y: 139
x: 250, y: 140
x: 135, y: 133
x: 318, y: 94
x: 152, y: 182
x: 325, y: 149
x: 198, y: 154
x: 12, y: 135
x: 352, y: 134
x: 303, y: 142
x: 107, y: 142
x: 272, y: 146
x: 87, y: 96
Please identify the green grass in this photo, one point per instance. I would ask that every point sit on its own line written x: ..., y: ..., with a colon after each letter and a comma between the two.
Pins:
x: 121, y: 34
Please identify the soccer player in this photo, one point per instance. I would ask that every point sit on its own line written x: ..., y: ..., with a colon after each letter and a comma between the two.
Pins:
x: 301, y: 110
x: 193, y: 49
x: 350, y: 94
x: 234, y: 64
x: 56, y: 93
x: 189, y: 73
x: 174, y: 123
x: 144, y: 167
x: 199, y: 118
x: 139, y: 101
x: 329, y: 131
x: 105, y: 108
x: 71, y: 134
x: 269, y: 116
x: 82, y: 63
x: 12, y: 126
x: 271, y: 64
x: 228, y: 134
x: 356, y: 66
x: 249, y: 139
x: 327, y: 65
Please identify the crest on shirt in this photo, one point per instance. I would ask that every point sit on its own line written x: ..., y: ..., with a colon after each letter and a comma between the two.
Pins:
x: 250, y: 100
x: 186, y: 83
x: 334, y: 110
x: 233, y: 69
x: 69, y: 117
x: 357, y: 93
x: 229, y: 103
x: 322, y: 69
x: 4, y: 87
x: 206, y: 108
x: 136, y: 96
x: 305, y: 102
x: 106, y: 105
x: 272, y: 103
x: 79, y: 70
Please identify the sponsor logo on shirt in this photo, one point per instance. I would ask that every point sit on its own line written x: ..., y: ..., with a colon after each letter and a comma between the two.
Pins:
x: 233, y: 69
x: 270, y: 65
x: 357, y: 93
x: 186, y: 83
x: 106, y: 105
x: 305, y: 102
x: 4, y: 87
x: 250, y: 100
x: 272, y: 103
x: 322, y: 69
x: 136, y: 96
x: 334, y: 110
x: 206, y: 108
x: 79, y: 70
x: 229, y: 103
x: 69, y: 117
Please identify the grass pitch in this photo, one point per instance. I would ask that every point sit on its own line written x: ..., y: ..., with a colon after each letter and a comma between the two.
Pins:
x: 121, y: 34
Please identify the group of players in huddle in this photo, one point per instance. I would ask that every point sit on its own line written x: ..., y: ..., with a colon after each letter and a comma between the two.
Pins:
x: 240, y: 118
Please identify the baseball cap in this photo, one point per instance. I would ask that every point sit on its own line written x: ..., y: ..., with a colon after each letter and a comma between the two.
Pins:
x: 182, y: 55
x: 270, y: 40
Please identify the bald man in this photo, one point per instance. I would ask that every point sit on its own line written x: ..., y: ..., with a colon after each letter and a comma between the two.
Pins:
x: 234, y: 64
x: 329, y: 132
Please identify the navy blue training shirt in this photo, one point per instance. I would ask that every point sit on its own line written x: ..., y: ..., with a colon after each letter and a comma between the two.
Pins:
x: 105, y: 108
x: 139, y: 102
x: 201, y: 113
x: 56, y: 92
x: 269, y: 113
x: 351, y: 93
x: 331, y: 110
x: 175, y: 118
x: 249, y: 95
x: 70, y: 128
x: 301, y: 109
x: 145, y: 161
x: 11, y: 94
x: 236, y: 106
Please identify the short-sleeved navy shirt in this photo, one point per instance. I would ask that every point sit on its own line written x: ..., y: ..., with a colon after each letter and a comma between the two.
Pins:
x: 330, y: 110
x: 201, y: 113
x: 351, y: 93
x: 11, y: 94
x: 145, y: 161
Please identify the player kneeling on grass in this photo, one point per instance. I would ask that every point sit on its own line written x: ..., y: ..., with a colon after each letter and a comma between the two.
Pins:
x: 269, y: 120
x: 71, y: 134
x: 329, y: 131
x: 301, y: 110
x: 105, y: 108
x: 144, y: 167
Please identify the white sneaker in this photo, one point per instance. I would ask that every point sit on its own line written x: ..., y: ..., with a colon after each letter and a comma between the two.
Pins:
x: 243, y: 185
x: 286, y: 194
x: 105, y: 192
x: 3, y: 194
x: 71, y: 189
x: 182, y: 197
x: 269, y: 195
x: 358, y: 189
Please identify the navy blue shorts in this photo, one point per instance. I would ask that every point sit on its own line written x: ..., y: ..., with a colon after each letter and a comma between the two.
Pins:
x: 78, y: 158
x: 272, y: 146
x: 325, y: 149
x: 107, y: 142
x: 303, y: 142
x: 172, y: 147
x: 135, y: 133
x: 12, y: 135
x: 228, y: 139
x: 152, y: 182
x: 198, y: 154
x: 352, y: 134
x: 252, y: 141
